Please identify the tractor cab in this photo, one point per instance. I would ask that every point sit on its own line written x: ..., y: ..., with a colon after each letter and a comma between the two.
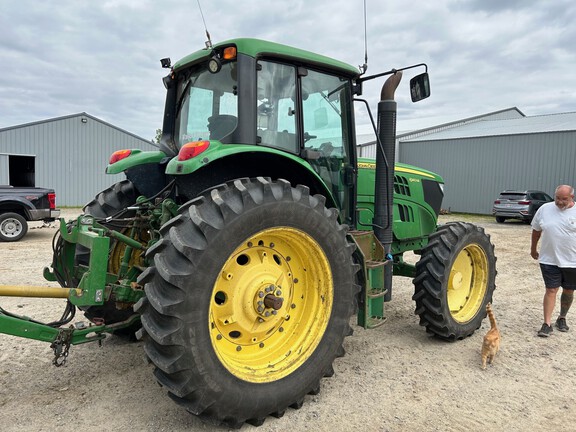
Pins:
x: 265, y: 99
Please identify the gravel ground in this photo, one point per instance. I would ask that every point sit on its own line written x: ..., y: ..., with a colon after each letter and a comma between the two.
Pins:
x: 393, y: 378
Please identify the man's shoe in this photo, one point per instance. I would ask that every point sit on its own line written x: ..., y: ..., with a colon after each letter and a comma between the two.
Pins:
x: 545, y: 331
x: 561, y: 325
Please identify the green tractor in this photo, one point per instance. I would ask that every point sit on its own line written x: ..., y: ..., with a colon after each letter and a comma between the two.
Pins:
x: 239, y: 251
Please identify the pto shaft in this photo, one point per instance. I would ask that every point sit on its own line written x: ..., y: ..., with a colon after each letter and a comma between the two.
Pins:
x: 37, y: 291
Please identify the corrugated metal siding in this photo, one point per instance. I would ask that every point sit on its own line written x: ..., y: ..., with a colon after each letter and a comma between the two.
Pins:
x: 564, y: 122
x: 71, y: 156
x: 4, y: 174
x: 367, y: 150
x: 507, y: 114
x: 477, y: 169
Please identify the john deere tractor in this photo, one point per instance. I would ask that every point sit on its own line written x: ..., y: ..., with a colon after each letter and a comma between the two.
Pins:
x: 239, y: 251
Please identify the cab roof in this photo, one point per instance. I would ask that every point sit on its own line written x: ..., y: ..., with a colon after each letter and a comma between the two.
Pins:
x: 260, y: 48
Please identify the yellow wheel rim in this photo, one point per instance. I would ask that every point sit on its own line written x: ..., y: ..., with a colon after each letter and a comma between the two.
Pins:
x: 467, y: 283
x: 271, y: 304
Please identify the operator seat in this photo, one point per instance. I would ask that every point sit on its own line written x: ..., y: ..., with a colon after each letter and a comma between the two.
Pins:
x: 221, y: 125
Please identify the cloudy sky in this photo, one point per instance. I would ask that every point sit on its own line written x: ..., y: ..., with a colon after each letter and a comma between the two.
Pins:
x: 102, y: 57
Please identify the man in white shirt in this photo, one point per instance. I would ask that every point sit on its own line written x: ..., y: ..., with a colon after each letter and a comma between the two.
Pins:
x: 555, y: 223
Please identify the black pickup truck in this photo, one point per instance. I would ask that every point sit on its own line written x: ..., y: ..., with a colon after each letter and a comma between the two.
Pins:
x: 18, y: 205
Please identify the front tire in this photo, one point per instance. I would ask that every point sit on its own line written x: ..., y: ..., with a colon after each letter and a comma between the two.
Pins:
x: 455, y: 279
x: 12, y: 227
x: 248, y: 301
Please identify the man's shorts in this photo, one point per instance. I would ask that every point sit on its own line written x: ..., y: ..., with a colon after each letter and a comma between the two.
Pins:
x: 555, y: 276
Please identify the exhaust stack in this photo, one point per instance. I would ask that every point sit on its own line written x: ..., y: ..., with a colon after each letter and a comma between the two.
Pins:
x: 384, y: 186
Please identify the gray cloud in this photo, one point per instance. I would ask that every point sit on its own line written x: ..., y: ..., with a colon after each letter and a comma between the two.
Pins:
x: 64, y: 57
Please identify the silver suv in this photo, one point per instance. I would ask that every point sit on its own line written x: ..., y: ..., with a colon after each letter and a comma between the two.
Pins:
x: 513, y: 204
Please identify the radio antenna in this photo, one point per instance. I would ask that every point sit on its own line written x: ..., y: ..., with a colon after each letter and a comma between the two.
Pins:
x: 209, y: 41
x: 364, y: 67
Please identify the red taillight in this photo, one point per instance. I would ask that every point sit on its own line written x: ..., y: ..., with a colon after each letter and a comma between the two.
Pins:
x: 119, y: 155
x: 192, y: 149
x: 524, y: 202
x: 497, y: 202
x: 52, y: 200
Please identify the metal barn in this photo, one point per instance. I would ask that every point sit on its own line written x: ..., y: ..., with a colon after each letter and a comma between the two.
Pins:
x: 480, y: 157
x: 68, y: 154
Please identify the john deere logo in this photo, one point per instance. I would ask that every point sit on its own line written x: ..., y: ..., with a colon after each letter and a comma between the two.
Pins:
x: 368, y: 165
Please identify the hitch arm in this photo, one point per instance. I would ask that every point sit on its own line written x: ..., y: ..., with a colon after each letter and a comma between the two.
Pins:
x: 60, y: 338
x: 23, y: 326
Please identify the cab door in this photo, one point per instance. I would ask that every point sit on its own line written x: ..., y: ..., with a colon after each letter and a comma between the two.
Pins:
x: 328, y: 134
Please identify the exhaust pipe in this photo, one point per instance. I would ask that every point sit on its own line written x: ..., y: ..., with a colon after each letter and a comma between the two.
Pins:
x: 384, y: 185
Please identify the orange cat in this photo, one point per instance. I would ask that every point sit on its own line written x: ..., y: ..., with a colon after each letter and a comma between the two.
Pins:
x: 491, y: 342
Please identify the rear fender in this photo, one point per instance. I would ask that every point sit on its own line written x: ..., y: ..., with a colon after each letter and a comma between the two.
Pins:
x: 216, y: 150
x: 135, y: 158
x: 220, y: 163
x: 18, y: 205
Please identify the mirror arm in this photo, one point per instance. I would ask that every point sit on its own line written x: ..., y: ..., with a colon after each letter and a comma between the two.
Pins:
x: 391, y: 71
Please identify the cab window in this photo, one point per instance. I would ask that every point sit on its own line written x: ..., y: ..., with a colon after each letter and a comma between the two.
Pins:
x: 207, y: 106
x: 327, y: 130
x: 277, y: 106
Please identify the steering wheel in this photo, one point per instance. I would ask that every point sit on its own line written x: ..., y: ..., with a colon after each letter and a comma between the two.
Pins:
x: 308, y: 137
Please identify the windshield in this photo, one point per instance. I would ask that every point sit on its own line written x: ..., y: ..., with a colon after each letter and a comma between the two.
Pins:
x: 207, y: 104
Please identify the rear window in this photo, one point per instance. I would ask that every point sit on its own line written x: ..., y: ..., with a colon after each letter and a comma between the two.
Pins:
x: 512, y: 196
x: 541, y: 196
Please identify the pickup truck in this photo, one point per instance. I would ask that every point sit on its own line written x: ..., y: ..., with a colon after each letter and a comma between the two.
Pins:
x: 18, y: 205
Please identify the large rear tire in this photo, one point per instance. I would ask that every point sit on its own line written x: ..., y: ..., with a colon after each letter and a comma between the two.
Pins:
x: 112, y: 200
x: 248, y: 301
x: 455, y: 278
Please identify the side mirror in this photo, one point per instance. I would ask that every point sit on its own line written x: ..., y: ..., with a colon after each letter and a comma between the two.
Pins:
x: 420, y: 87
